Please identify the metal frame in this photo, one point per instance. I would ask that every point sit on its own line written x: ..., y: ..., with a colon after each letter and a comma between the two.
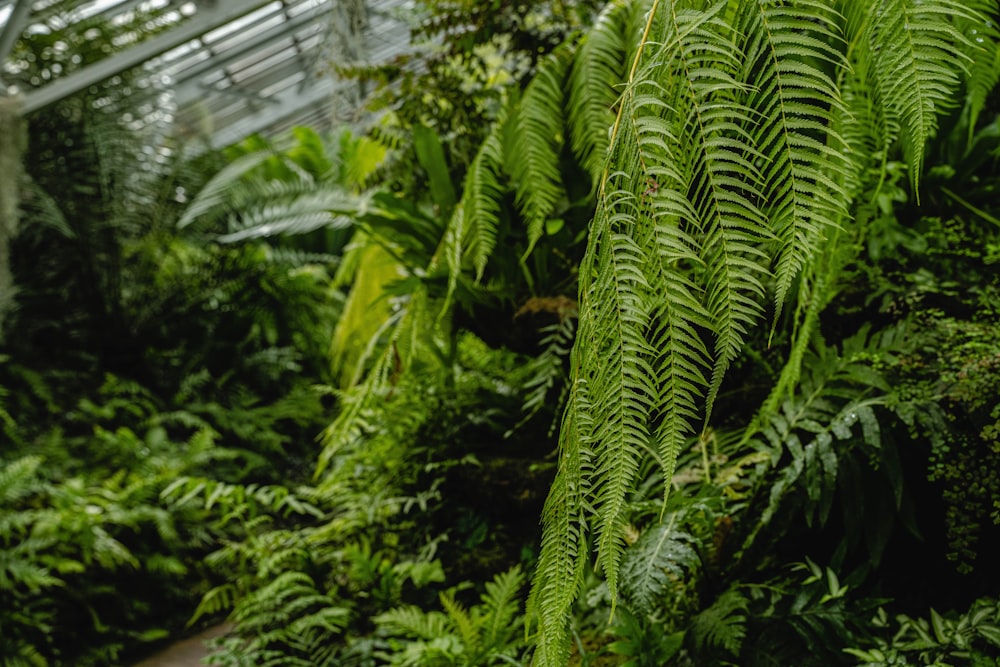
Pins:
x: 210, y: 16
x: 244, y: 66
x: 17, y: 21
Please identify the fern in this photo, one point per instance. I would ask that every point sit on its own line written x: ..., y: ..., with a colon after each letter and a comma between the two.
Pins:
x: 657, y: 564
x: 723, y: 624
x: 18, y: 479
x: 918, y: 57
x: 480, y: 636
x: 840, y: 393
x: 741, y: 137
x: 787, y: 44
x: 472, y: 230
x: 598, y: 68
x: 537, y: 144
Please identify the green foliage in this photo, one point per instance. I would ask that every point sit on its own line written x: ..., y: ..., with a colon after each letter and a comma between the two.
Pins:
x: 971, y: 638
x: 288, y: 612
x: 644, y: 643
x: 723, y: 625
x: 657, y: 566
x: 721, y: 168
x: 485, y: 634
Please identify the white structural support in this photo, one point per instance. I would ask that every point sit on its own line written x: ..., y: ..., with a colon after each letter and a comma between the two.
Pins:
x: 210, y: 15
x: 285, y: 105
x: 16, y: 22
x: 218, y: 70
x: 188, y: 84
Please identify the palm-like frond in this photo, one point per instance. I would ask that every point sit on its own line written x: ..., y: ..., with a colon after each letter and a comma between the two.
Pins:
x: 919, y: 57
x: 215, y: 194
x: 299, y: 215
x: 538, y: 142
x: 599, y: 66
x: 802, y: 157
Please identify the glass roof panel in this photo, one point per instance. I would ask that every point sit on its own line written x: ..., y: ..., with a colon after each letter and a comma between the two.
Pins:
x: 237, y: 66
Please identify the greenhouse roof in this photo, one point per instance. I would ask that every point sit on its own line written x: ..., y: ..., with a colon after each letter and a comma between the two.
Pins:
x: 221, y: 68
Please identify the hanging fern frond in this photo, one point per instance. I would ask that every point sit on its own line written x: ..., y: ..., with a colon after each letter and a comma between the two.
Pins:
x: 724, y: 185
x: 984, y: 73
x: 471, y: 233
x: 565, y: 547
x: 802, y: 156
x: 919, y: 58
x: 600, y: 66
x: 537, y: 143
x: 742, y: 135
x: 481, y: 203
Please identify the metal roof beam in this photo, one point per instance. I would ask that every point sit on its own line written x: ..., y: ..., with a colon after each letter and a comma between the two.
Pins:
x: 288, y: 103
x: 14, y: 26
x: 219, y: 61
x: 193, y: 91
x: 209, y: 16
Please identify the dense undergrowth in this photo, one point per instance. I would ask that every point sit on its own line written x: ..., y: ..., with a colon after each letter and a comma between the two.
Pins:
x: 318, y: 393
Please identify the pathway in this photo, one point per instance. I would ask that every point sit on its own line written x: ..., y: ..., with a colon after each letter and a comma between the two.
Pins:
x: 187, y: 652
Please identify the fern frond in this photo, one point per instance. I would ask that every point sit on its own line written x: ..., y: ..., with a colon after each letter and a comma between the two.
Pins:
x: 306, y: 213
x: 984, y: 74
x: 463, y: 623
x: 412, y: 621
x: 564, y: 548
x: 218, y: 599
x: 537, y: 142
x: 919, y: 56
x: 500, y: 605
x: 215, y: 193
x: 724, y: 185
x: 600, y: 66
x: 480, y: 204
x: 657, y: 565
x: 18, y: 478
x: 723, y: 624
x: 624, y: 383
x: 802, y: 158
x: 547, y: 368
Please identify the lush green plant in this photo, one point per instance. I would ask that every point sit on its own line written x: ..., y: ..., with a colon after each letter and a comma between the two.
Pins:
x: 489, y: 633
x: 741, y: 140
x: 971, y: 638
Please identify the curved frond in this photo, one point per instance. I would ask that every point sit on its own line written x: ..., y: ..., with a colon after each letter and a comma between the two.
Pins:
x: 599, y: 68
x: 216, y: 192
x: 538, y: 140
x: 471, y: 232
x: 789, y: 47
x: 919, y: 56
x: 298, y: 216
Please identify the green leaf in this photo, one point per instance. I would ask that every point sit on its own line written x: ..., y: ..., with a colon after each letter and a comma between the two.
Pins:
x: 430, y: 153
